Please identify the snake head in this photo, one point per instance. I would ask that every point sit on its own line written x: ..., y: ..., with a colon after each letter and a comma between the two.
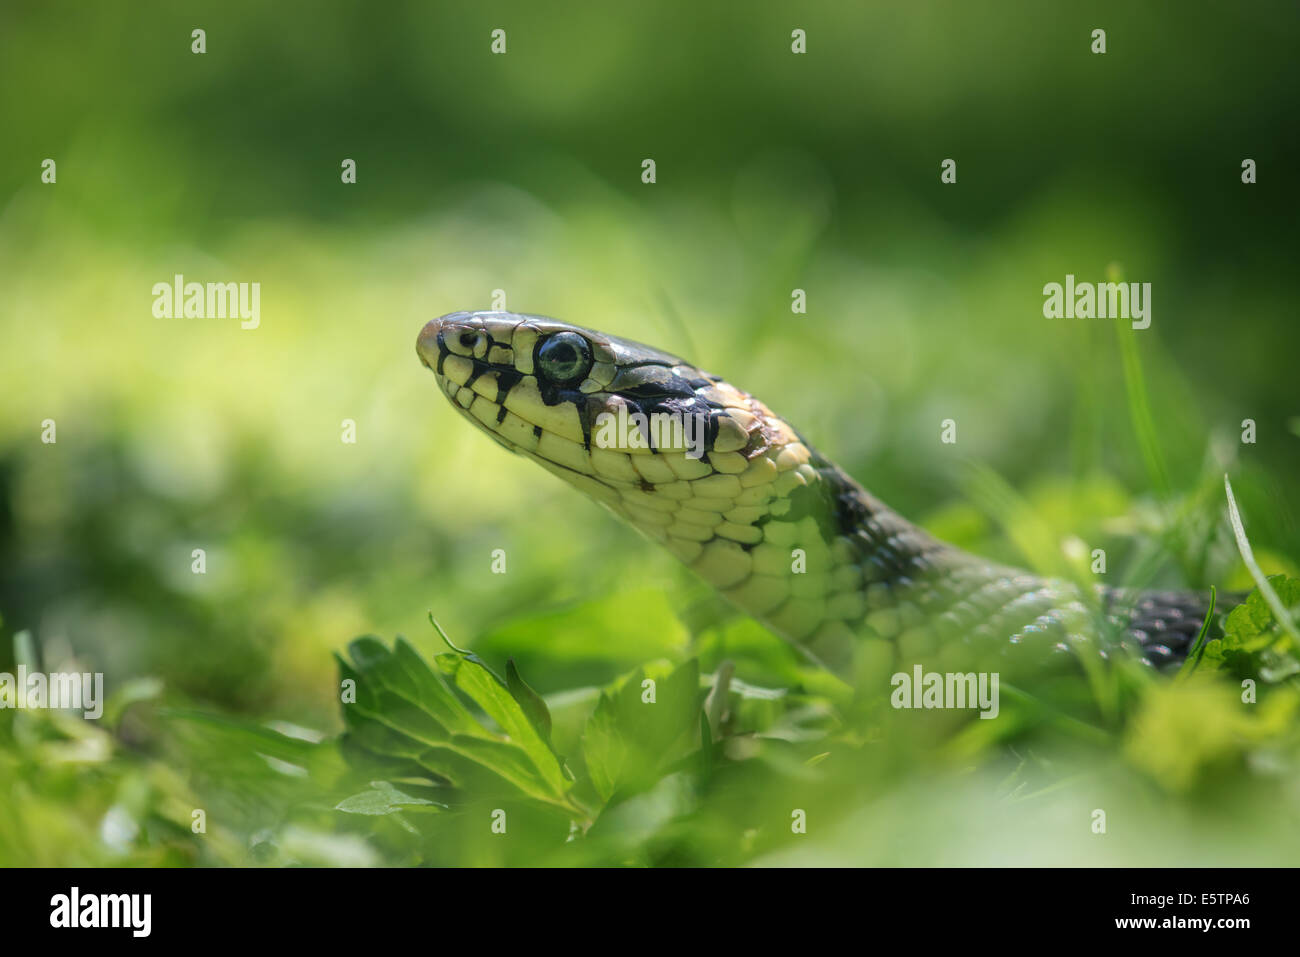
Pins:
x: 591, y: 403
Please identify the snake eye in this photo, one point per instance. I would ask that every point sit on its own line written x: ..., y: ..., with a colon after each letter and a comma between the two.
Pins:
x: 564, y: 357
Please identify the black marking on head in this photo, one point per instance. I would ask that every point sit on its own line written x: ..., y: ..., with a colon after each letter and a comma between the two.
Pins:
x: 712, y: 435
x: 507, y: 379
x: 588, y: 408
x: 654, y: 388
x: 537, y: 431
x: 507, y: 376
x: 642, y: 423
x: 651, y: 389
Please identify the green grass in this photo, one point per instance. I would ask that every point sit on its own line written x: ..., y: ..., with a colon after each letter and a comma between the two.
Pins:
x: 448, y: 763
x: 775, y: 173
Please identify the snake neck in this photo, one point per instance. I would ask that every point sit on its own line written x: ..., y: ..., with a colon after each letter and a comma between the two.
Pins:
x: 839, y: 573
x: 836, y: 571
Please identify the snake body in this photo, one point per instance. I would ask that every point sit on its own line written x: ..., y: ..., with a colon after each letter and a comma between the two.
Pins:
x: 777, y: 528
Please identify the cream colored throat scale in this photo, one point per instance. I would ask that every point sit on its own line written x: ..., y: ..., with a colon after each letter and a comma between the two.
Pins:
x: 736, y: 493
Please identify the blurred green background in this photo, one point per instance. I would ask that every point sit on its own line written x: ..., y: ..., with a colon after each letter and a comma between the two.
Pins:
x: 521, y: 172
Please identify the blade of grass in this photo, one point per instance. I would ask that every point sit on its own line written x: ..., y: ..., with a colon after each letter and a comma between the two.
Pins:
x: 1248, y: 557
x: 1139, y: 407
x: 1198, y: 646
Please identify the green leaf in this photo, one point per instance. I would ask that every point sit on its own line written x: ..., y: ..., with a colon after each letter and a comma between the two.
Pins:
x: 1252, y: 624
x: 603, y: 749
x: 528, y: 699
x: 381, y: 798
x: 471, y: 676
x: 405, y: 711
x: 1253, y: 641
x: 631, y: 735
x: 432, y: 693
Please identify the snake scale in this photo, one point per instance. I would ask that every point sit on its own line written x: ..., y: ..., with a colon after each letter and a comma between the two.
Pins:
x: 778, y: 529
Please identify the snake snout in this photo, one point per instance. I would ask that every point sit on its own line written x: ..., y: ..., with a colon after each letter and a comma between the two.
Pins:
x: 431, y: 343
x: 426, y: 343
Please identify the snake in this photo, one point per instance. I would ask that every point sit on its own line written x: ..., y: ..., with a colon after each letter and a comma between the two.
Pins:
x: 711, y: 473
